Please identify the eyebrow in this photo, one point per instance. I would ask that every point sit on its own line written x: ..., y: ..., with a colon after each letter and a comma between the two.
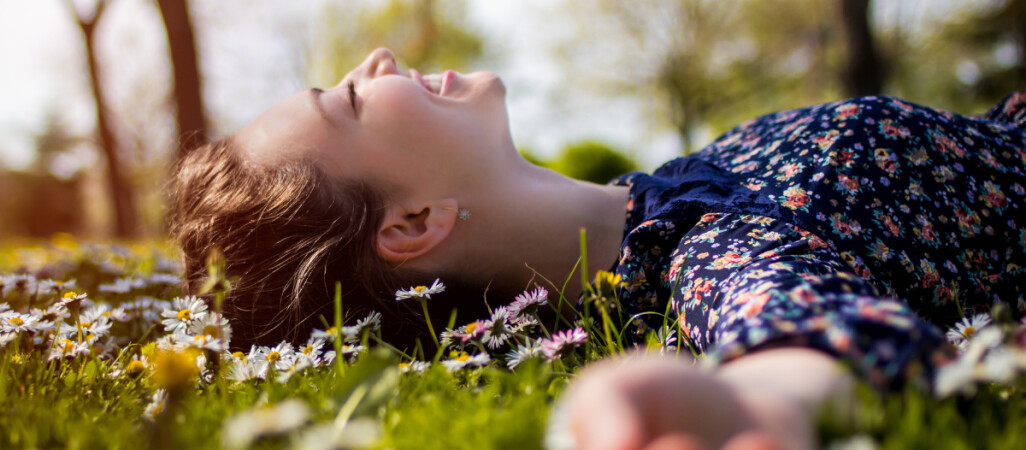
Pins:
x: 315, y: 98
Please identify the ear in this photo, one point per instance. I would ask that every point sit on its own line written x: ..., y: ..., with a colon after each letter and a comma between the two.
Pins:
x: 409, y: 231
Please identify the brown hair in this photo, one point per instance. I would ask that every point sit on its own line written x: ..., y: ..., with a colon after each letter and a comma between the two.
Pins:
x: 287, y: 232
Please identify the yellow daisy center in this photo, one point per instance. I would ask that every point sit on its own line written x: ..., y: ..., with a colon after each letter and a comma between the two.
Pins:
x: 212, y: 330
x: 273, y: 356
x: 969, y: 331
x: 85, y: 325
x: 135, y: 367
x: 404, y: 366
x: 307, y: 349
x: 184, y: 314
x: 70, y: 294
x: 16, y: 321
x: 471, y: 327
x: 463, y: 357
x: 68, y: 346
x: 420, y: 289
x: 239, y: 355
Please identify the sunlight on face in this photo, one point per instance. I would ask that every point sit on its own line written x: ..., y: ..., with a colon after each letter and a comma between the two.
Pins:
x: 398, y: 128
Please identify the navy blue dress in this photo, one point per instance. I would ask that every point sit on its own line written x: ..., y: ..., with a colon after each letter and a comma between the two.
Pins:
x: 857, y: 228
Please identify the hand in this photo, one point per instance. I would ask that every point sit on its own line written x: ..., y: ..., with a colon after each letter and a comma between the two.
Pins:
x: 647, y: 402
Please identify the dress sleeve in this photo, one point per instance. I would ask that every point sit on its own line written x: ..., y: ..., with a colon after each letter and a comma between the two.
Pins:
x: 751, y: 282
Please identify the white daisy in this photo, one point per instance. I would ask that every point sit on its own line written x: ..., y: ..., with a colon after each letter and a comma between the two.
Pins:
x: 243, y: 429
x: 240, y: 372
x: 105, y: 310
x: 371, y: 323
x: 245, y: 366
x: 158, y: 403
x: 563, y: 343
x: 525, y: 306
x: 420, y: 292
x: 162, y: 264
x: 183, y: 311
x: 966, y: 329
x: 998, y: 366
x: 122, y: 285
x: 95, y: 327
x: 211, y: 331
x: 461, y: 360
x: 67, y: 348
x: 328, y: 334
x: 297, y: 365
x: 24, y: 283
x: 327, y: 358
x: 15, y: 322
x: 366, y: 325
x: 472, y: 332
x: 51, y: 314
x: 414, y: 366
x: 279, y: 356
x: 6, y: 338
x: 352, y: 351
x: 57, y: 287
x: 496, y: 329
x: 164, y: 278
x: 147, y: 308
x: 72, y: 300
x: 523, y: 352
x: 312, y: 350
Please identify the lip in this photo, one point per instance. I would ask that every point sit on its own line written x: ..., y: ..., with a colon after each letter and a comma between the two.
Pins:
x: 414, y: 74
x: 447, y: 78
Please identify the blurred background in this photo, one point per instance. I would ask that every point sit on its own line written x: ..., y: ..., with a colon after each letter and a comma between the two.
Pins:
x: 98, y: 97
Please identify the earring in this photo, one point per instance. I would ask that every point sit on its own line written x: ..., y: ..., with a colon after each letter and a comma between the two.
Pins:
x: 462, y: 213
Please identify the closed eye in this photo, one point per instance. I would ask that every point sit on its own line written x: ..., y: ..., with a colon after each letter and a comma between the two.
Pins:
x: 352, y: 95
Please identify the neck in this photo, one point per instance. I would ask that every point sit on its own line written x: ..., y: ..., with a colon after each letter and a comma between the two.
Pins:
x: 526, y: 229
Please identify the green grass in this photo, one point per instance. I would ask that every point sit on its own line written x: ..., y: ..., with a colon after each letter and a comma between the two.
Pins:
x: 77, y: 403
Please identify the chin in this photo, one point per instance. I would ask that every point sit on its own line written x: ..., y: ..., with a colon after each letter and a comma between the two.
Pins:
x: 490, y: 80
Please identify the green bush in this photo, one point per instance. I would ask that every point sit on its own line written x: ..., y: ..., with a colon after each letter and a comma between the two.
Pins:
x: 592, y: 161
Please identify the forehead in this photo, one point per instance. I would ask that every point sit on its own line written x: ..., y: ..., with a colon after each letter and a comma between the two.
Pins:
x: 285, y: 131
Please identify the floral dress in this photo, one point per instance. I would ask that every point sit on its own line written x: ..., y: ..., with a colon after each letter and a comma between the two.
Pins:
x: 856, y: 227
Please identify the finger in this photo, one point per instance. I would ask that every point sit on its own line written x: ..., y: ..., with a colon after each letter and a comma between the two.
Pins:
x: 606, y: 422
x: 676, y: 441
x: 752, y: 440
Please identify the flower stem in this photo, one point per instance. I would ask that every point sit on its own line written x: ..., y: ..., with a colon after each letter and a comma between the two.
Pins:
x: 427, y: 318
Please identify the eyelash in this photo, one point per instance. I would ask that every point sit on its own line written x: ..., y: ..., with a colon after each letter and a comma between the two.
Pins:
x: 352, y: 94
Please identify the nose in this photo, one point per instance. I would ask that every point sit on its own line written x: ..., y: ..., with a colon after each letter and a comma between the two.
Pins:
x: 380, y: 62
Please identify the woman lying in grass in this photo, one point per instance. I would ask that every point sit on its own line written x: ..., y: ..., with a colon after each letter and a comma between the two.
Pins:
x: 841, y: 232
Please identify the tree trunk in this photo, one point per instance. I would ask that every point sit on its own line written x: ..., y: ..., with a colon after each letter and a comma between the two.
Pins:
x: 192, y: 123
x: 121, y: 193
x: 865, y: 72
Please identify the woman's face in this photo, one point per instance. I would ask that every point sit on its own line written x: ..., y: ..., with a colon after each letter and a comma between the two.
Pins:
x: 397, y: 128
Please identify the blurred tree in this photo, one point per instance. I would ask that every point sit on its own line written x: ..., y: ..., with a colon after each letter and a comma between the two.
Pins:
x: 424, y: 34
x: 36, y: 202
x: 592, y: 161
x: 865, y: 72
x: 710, y: 63
x: 192, y: 122
x: 965, y: 63
x: 121, y: 192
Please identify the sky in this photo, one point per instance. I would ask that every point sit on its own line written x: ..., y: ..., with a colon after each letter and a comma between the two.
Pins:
x: 250, y: 59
